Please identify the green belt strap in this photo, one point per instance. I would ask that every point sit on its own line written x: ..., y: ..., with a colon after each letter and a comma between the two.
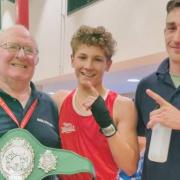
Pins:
x: 22, y: 157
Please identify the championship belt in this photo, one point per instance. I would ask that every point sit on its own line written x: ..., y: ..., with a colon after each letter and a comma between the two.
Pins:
x: 22, y: 157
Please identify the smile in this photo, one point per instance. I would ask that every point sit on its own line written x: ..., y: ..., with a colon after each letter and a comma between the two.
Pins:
x: 19, y: 65
x: 88, y: 75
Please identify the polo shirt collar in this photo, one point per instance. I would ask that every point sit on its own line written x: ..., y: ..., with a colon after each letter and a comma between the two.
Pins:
x: 163, y: 72
x: 163, y: 67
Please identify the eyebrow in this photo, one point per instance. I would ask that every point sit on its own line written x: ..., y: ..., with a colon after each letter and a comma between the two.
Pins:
x: 170, y: 23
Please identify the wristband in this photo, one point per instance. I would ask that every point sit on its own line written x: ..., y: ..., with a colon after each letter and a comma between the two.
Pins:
x: 102, y: 117
x: 109, y: 131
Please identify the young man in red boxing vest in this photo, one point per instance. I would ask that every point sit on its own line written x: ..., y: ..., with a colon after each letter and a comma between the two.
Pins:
x: 96, y: 122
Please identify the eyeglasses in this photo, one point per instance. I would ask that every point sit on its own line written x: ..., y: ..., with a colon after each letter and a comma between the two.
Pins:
x: 15, y: 48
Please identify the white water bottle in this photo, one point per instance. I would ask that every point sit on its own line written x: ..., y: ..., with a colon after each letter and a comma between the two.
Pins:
x: 159, y: 144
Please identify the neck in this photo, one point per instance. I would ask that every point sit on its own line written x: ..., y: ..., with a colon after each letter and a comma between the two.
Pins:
x: 19, y: 90
x: 174, y: 68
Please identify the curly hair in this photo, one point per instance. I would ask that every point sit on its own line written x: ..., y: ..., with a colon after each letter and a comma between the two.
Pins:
x: 97, y: 36
x: 172, y: 4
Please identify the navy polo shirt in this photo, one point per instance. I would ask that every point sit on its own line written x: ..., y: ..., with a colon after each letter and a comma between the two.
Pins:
x: 43, y: 123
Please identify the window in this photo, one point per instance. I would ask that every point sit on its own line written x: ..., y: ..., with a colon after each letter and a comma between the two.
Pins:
x: 74, y: 5
x: 1, y: 10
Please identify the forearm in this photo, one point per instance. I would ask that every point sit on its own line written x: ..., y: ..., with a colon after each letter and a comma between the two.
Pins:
x: 122, y: 143
x: 125, y: 155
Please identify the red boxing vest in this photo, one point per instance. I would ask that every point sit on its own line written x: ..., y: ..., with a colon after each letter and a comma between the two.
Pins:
x: 82, y: 135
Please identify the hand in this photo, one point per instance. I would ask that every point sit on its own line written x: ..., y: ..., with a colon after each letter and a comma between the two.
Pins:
x: 93, y: 95
x: 167, y: 114
x: 98, y: 108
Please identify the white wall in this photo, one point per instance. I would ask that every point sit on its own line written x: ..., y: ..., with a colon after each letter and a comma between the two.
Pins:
x: 45, y: 19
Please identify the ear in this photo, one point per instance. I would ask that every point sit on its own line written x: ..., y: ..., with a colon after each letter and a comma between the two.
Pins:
x: 108, y: 64
x: 37, y: 60
x: 72, y: 60
x: 164, y: 31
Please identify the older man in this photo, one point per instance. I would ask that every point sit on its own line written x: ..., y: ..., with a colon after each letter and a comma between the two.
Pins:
x: 22, y: 106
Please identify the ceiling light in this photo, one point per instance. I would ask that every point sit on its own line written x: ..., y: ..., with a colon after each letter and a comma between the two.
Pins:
x: 133, y: 80
x: 51, y: 93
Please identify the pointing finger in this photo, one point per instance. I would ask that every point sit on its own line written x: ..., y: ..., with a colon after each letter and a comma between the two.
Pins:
x: 91, y: 89
x: 156, y: 97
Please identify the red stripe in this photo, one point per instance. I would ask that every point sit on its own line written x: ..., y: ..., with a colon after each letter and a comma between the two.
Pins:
x: 22, y: 12
x: 26, y: 118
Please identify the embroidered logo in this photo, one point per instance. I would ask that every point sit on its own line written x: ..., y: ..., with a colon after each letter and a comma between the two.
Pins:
x: 44, y: 122
x: 67, y: 128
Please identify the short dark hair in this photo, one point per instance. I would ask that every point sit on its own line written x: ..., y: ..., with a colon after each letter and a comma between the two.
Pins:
x: 172, y: 4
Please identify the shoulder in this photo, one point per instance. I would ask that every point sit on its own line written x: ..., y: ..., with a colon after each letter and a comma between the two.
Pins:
x: 120, y: 101
x: 123, y: 102
x: 45, y: 102
x: 124, y: 108
x: 147, y: 81
x: 44, y: 97
x: 60, y: 96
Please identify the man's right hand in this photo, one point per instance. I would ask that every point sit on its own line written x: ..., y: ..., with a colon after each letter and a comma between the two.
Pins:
x: 167, y: 114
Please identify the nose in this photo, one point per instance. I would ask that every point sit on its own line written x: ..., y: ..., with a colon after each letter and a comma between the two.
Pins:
x: 88, y: 64
x: 177, y: 36
x: 20, y: 52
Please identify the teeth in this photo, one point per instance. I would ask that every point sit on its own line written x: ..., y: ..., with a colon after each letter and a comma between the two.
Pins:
x: 19, y: 65
x: 87, y: 75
